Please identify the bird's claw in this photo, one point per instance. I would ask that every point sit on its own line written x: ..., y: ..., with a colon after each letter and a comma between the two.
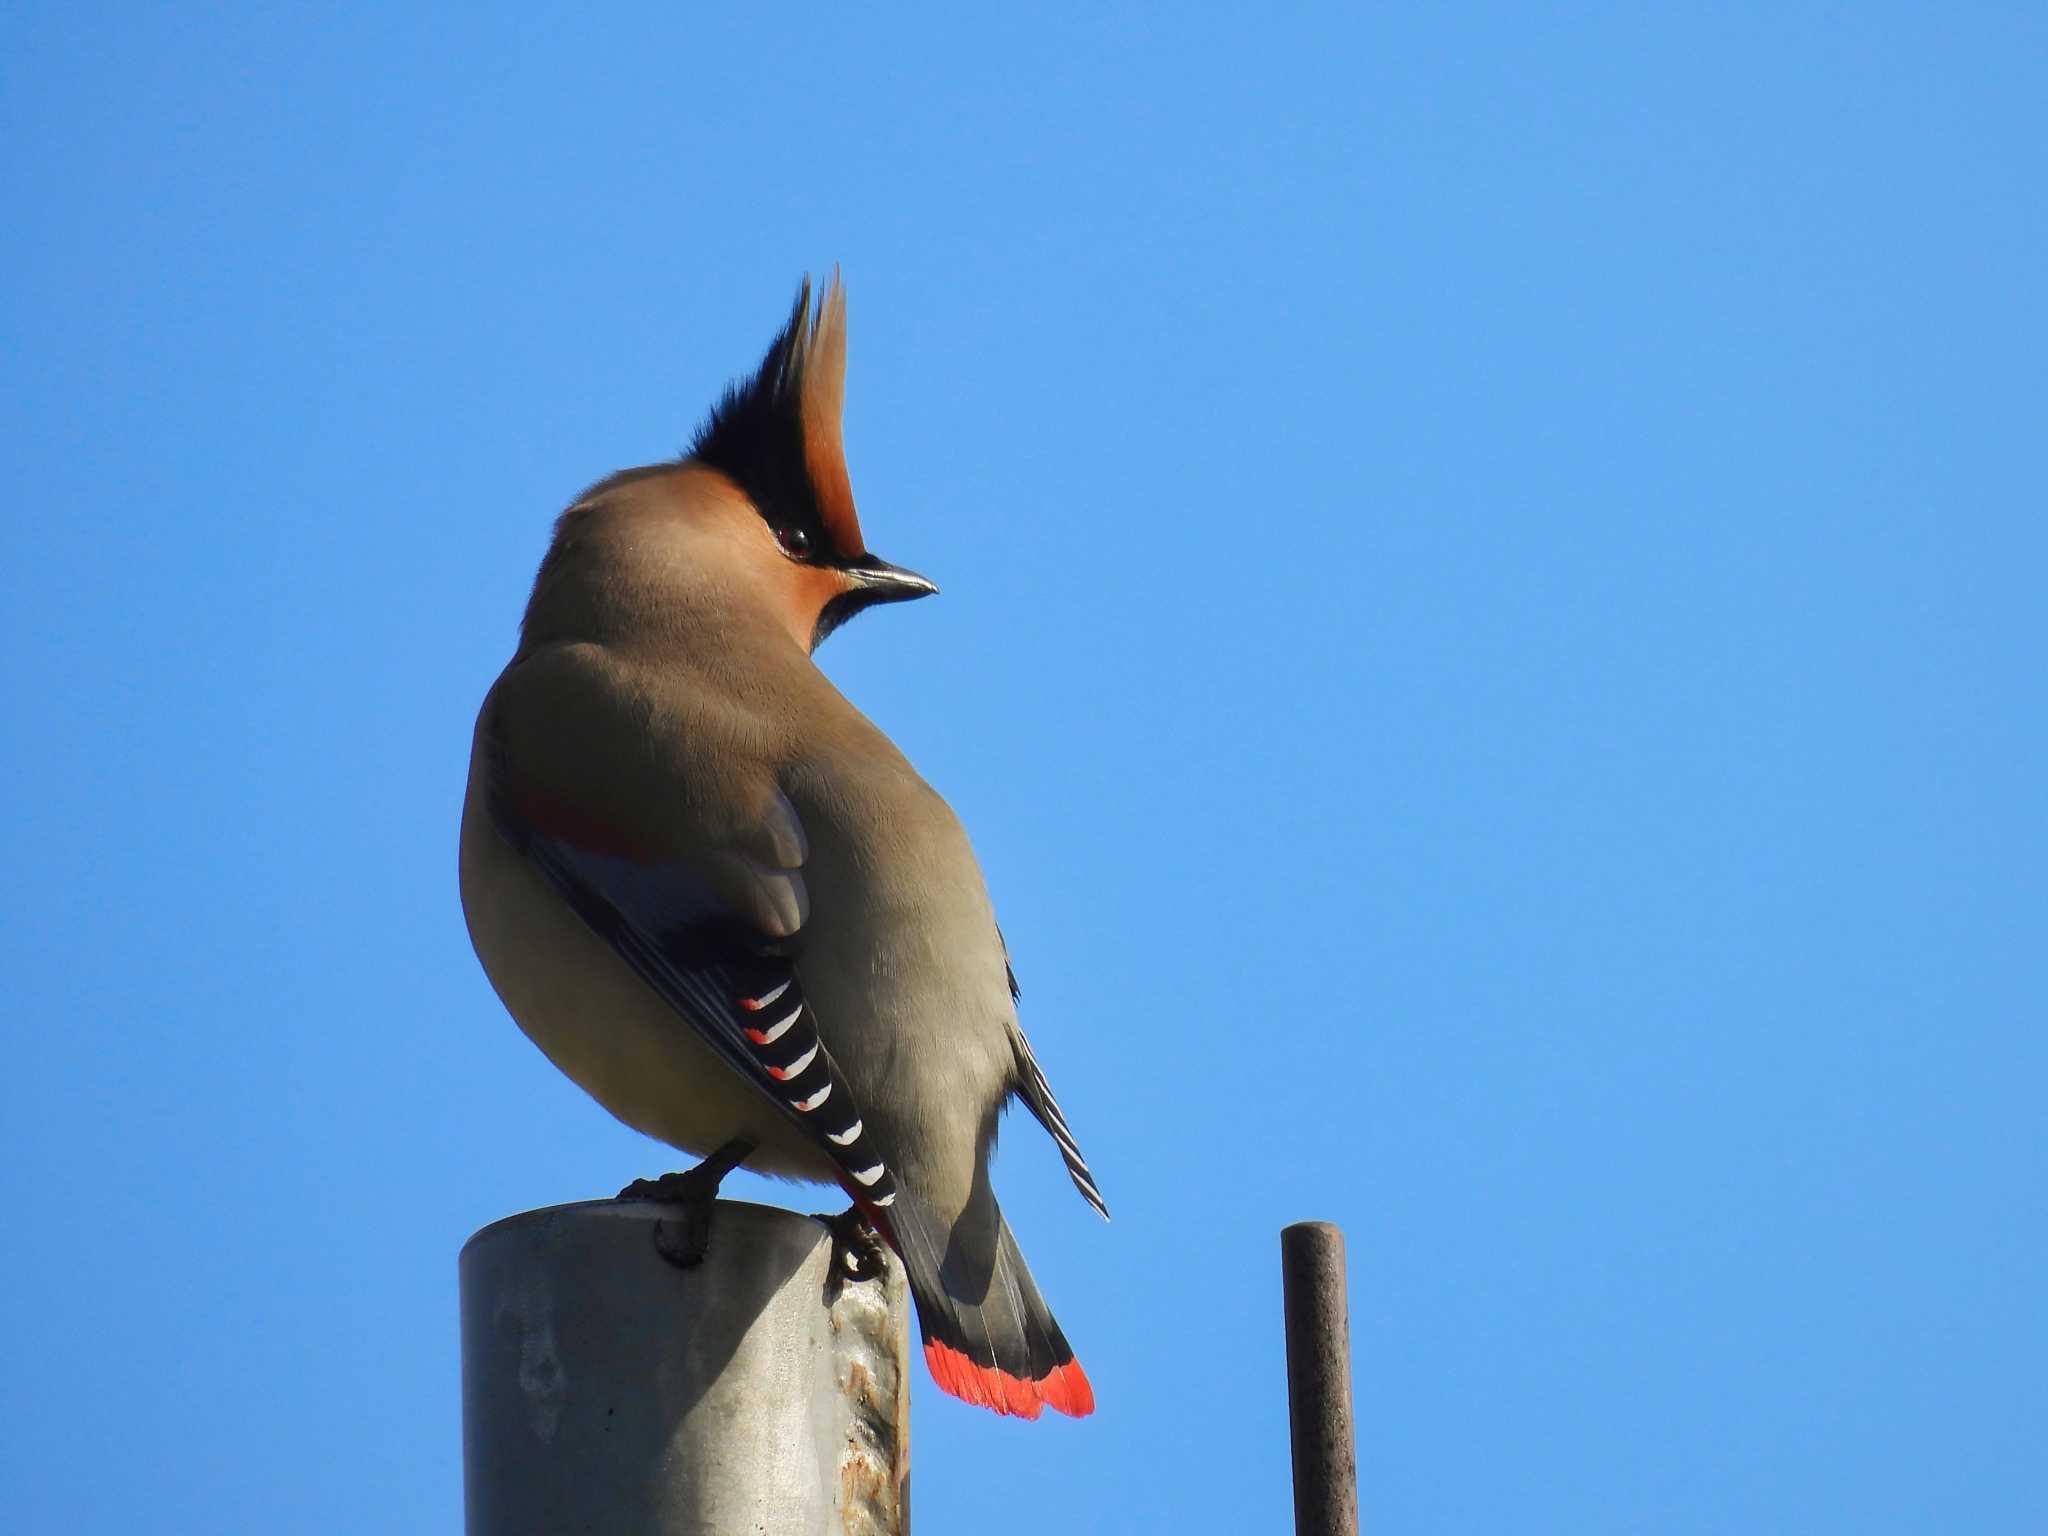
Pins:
x: 684, y: 1240
x: 671, y: 1188
x: 683, y: 1236
x: 857, y: 1252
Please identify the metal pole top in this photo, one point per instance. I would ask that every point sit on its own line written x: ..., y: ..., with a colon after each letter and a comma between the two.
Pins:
x: 604, y: 1389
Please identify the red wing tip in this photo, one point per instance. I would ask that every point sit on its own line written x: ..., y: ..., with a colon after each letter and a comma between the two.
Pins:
x: 1065, y: 1390
x: 558, y: 819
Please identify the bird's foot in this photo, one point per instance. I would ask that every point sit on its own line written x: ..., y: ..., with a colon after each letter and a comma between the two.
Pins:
x: 857, y: 1252
x: 673, y: 1188
x: 684, y: 1239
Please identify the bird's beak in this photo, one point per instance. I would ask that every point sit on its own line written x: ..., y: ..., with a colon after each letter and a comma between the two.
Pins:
x: 881, y: 582
x: 873, y: 581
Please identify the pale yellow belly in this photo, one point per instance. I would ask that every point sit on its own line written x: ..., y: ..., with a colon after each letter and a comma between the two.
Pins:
x: 604, y: 1027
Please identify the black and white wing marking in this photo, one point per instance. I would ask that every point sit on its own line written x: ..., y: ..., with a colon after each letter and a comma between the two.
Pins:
x: 782, y: 1037
x: 721, y: 977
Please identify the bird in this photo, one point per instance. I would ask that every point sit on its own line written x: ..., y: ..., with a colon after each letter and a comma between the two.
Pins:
x: 722, y: 901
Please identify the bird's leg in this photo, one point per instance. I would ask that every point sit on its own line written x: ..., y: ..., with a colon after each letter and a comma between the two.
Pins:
x: 685, y: 1241
x: 856, y: 1250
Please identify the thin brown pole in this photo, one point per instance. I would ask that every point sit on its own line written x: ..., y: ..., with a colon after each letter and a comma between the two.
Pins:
x: 1319, y: 1379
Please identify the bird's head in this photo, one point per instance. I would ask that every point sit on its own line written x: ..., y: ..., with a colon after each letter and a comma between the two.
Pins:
x: 776, y: 437
x: 761, y: 503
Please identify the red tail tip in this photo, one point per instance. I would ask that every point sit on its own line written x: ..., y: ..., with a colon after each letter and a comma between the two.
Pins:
x: 1065, y: 1389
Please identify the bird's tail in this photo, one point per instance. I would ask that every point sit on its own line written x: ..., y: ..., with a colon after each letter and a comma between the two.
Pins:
x: 989, y: 1337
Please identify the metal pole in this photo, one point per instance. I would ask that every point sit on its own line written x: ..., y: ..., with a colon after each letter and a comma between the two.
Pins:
x: 603, y: 1389
x: 1319, y: 1379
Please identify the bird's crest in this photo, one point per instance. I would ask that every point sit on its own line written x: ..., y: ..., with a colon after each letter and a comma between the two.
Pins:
x: 777, y: 435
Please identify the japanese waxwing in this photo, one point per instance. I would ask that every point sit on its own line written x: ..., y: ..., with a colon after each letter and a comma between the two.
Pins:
x: 718, y: 898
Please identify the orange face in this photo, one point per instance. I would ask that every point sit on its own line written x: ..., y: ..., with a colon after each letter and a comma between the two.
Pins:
x: 798, y: 590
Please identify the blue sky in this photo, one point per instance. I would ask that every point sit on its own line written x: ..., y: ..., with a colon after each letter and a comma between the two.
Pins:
x: 1491, y: 648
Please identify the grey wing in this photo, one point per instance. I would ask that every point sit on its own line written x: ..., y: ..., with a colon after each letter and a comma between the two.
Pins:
x: 1036, y: 1093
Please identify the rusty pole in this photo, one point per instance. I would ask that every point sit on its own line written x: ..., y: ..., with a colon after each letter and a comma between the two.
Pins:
x: 1319, y: 1379
x: 603, y: 1389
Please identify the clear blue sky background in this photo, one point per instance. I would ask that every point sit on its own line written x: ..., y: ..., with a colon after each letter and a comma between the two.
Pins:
x: 1492, y: 649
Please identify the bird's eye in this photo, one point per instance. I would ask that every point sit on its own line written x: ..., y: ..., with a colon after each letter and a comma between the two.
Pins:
x: 794, y: 541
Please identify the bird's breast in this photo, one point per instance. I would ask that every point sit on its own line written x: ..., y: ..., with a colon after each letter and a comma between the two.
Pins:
x: 599, y: 1023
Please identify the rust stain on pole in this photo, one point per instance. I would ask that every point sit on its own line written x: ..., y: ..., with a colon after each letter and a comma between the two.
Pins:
x: 1319, y: 1379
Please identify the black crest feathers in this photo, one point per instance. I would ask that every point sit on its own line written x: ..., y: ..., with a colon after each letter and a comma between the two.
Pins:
x: 777, y: 436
